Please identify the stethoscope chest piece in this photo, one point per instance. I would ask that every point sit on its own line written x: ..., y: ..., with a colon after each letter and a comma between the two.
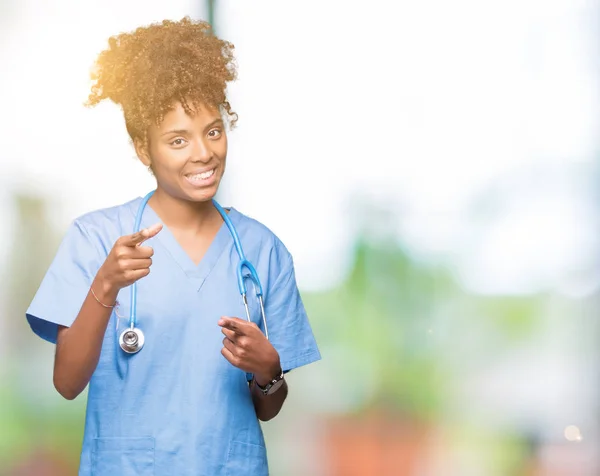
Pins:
x: 131, y: 340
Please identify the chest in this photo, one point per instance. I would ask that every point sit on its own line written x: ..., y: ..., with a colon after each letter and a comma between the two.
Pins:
x: 179, y: 309
x: 195, y: 246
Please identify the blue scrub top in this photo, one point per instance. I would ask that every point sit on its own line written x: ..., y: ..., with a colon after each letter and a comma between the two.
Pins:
x: 177, y: 407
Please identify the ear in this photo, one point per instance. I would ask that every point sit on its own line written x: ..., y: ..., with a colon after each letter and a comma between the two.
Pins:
x: 141, y: 150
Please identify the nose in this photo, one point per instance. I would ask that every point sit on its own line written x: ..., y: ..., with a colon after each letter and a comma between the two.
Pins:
x: 201, y: 152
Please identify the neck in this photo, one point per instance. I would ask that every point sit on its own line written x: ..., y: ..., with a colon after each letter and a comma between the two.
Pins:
x: 182, y: 214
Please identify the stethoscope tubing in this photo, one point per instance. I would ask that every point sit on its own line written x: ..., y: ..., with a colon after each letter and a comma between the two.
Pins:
x: 243, y: 263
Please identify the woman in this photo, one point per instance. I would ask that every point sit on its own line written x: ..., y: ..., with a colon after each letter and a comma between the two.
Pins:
x: 189, y: 401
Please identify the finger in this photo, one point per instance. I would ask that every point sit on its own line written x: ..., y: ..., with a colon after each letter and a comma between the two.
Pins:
x: 232, y: 359
x: 133, y: 240
x: 136, y: 263
x: 233, y: 323
x: 231, y: 335
x: 143, y: 251
x: 123, y: 252
x: 230, y: 346
x: 152, y: 232
x: 133, y: 275
x: 142, y: 235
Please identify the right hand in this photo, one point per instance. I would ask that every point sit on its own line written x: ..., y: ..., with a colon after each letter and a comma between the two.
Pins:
x: 128, y: 261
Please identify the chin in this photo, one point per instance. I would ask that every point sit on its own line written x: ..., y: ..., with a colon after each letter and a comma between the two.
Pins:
x: 202, y: 195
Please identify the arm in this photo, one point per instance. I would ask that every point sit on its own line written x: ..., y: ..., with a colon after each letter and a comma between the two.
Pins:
x: 291, y: 343
x: 78, y: 347
x: 268, y: 406
x: 247, y: 348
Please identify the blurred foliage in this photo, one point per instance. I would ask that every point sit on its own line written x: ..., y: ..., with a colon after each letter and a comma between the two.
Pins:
x: 395, y: 322
x: 30, y: 418
x: 32, y: 250
x: 382, y: 314
x: 28, y: 428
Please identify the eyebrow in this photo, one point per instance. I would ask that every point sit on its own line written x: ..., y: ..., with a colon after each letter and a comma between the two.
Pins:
x: 185, y: 131
x: 175, y: 131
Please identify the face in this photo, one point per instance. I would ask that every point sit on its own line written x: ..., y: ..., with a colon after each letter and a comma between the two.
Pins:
x: 187, y: 153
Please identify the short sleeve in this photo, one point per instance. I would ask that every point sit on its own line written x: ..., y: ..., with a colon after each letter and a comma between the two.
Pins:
x: 64, y: 288
x: 288, y: 325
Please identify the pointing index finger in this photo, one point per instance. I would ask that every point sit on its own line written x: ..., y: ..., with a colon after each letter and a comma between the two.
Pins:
x: 233, y: 324
x: 138, y: 238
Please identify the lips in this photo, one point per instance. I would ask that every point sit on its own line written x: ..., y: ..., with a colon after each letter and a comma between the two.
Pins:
x: 201, y: 175
x: 201, y: 178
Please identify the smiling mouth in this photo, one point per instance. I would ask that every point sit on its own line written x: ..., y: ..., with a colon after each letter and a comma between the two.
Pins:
x: 202, y: 179
x: 203, y: 176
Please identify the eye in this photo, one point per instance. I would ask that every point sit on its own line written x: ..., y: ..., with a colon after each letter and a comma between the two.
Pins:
x: 178, y: 142
x: 214, y: 133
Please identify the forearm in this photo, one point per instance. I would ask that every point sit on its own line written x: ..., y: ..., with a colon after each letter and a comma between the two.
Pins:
x: 268, y: 406
x: 78, y: 347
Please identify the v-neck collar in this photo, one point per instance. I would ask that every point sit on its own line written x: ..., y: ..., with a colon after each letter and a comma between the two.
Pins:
x: 197, y: 274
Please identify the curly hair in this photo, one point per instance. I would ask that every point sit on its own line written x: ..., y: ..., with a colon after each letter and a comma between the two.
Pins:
x: 147, y: 71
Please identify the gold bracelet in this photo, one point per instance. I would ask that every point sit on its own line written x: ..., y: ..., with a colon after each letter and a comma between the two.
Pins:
x: 101, y: 303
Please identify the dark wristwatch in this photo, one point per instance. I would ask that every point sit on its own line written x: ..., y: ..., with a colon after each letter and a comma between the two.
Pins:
x: 271, y: 387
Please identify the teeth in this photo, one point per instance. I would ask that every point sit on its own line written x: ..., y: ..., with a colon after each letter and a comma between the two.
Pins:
x: 202, y: 176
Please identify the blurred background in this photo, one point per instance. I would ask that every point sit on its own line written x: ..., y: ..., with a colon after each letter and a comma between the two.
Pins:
x: 433, y: 168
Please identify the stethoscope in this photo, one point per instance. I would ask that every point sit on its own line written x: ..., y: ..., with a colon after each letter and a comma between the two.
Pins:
x: 132, y: 339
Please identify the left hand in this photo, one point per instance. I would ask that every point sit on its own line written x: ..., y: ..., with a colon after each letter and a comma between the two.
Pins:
x: 247, y: 348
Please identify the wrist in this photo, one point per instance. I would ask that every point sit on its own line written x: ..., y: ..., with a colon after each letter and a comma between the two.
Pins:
x: 263, y: 378
x: 105, y: 289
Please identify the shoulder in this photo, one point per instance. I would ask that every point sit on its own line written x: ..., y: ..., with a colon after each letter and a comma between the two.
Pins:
x: 103, y: 226
x: 260, y: 236
x: 108, y: 215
